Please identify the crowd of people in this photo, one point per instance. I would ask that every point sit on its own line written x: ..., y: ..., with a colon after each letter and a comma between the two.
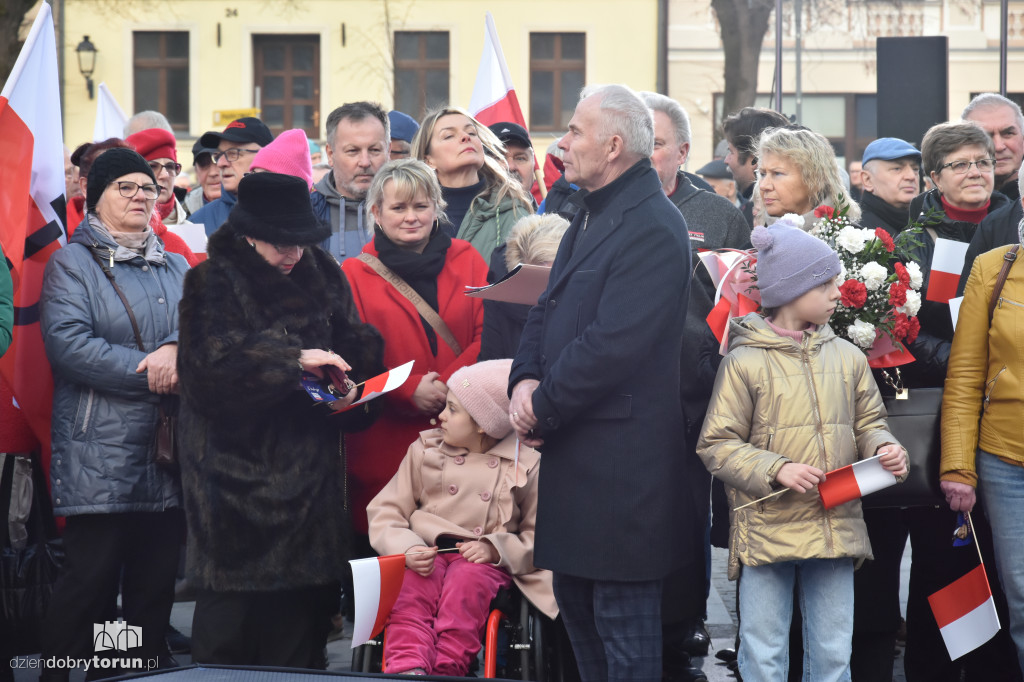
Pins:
x: 216, y: 308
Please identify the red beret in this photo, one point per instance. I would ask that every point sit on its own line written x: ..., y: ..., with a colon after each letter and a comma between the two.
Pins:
x: 154, y: 143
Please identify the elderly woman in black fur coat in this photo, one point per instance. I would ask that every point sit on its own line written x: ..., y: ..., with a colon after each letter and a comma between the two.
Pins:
x: 261, y: 464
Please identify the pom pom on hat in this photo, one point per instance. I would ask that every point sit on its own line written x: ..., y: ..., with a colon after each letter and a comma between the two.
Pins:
x: 287, y: 154
x: 790, y: 262
x: 483, y: 391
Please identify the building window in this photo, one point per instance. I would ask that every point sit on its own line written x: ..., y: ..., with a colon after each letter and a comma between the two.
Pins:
x: 558, y: 69
x: 161, y: 75
x: 287, y: 70
x: 421, y: 71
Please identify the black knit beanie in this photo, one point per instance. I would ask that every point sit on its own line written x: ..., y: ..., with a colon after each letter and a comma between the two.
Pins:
x: 109, y: 166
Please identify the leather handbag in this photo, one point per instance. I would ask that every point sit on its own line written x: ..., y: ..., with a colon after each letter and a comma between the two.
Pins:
x: 165, y: 453
x: 915, y: 418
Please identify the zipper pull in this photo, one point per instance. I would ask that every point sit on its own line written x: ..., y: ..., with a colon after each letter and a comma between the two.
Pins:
x: 111, y: 258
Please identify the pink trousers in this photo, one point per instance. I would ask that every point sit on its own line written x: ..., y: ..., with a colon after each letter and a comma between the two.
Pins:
x: 437, y: 621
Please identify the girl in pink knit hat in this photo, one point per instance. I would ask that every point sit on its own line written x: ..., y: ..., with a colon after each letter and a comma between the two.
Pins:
x: 464, y: 487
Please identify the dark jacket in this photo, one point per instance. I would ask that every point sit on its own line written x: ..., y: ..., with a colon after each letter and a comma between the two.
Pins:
x: 503, y: 321
x: 261, y: 464
x: 104, y: 415
x: 931, y: 348
x: 604, y: 341
x: 213, y: 214
x: 877, y: 213
x: 999, y: 228
x: 557, y: 200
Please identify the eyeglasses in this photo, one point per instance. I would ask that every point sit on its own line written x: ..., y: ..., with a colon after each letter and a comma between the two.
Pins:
x: 129, y: 189
x: 171, y: 167
x: 961, y: 167
x: 285, y: 250
x: 233, y: 153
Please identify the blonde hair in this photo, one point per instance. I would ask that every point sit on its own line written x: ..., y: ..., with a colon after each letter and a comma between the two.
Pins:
x: 813, y: 155
x: 410, y: 177
x: 534, y: 239
x: 497, y: 182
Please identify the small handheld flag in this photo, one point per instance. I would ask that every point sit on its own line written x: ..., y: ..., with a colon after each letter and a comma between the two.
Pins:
x: 376, y: 583
x: 854, y: 481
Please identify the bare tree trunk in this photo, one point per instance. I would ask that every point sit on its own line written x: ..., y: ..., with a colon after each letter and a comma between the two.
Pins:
x: 742, y: 25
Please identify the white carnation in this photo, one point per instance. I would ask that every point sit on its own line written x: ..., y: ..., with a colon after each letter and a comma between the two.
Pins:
x: 852, y: 239
x: 916, y: 276
x: 861, y: 333
x: 912, y: 305
x: 793, y: 219
x: 842, y: 272
x: 873, y: 275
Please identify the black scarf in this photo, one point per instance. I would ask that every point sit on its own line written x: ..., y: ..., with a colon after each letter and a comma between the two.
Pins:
x: 419, y: 270
x: 894, y: 218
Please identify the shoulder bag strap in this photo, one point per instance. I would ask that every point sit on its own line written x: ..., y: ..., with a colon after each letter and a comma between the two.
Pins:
x: 428, y: 313
x: 124, y: 300
x: 1009, y: 258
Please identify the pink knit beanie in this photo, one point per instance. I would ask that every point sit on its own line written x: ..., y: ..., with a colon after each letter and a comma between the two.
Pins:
x: 287, y: 154
x: 483, y: 390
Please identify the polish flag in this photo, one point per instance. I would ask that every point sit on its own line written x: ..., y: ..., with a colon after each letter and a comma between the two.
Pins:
x: 383, y: 383
x: 494, y: 97
x: 110, y: 117
x: 947, y: 264
x: 376, y: 584
x: 966, y: 613
x: 32, y: 212
x: 854, y: 481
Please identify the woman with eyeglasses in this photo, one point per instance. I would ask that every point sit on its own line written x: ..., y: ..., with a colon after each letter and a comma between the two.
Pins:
x: 83, y: 157
x: 109, y: 320
x: 266, y: 494
x: 959, y: 158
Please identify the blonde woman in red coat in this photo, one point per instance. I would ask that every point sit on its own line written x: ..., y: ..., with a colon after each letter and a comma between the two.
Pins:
x: 404, y: 202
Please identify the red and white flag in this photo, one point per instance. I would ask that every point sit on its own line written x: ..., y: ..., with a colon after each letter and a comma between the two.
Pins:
x: 376, y: 583
x: 32, y: 211
x: 854, y: 481
x: 947, y: 265
x: 494, y: 97
x: 966, y: 613
x: 383, y: 383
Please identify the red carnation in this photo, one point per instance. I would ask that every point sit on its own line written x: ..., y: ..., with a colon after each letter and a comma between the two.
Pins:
x: 900, y: 326
x: 824, y: 212
x: 854, y: 293
x: 902, y: 274
x: 914, y: 329
x: 886, y: 239
x: 897, y: 294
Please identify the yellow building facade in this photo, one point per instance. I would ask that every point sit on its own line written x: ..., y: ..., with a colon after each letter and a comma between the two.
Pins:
x: 299, y: 59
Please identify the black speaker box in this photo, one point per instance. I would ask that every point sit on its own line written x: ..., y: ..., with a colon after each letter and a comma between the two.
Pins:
x: 913, y: 86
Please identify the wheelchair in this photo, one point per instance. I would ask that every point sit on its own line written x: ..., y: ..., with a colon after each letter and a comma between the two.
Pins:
x: 520, y: 643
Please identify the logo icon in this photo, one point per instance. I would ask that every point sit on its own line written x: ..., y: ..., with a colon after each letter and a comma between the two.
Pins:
x: 115, y: 636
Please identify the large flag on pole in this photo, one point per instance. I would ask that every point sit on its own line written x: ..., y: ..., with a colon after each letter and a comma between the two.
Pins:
x: 494, y: 97
x: 110, y: 117
x: 31, y: 210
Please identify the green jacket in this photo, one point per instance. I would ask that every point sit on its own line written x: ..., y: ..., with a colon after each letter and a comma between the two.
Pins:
x: 6, y: 305
x: 487, y: 226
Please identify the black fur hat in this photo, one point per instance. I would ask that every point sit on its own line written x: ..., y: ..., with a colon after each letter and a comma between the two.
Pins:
x: 275, y: 208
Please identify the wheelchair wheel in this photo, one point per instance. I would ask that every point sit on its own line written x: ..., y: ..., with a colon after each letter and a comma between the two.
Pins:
x: 369, y: 658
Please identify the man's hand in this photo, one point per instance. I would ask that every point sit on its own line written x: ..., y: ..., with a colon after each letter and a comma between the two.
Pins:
x: 799, y: 477
x: 893, y: 458
x: 478, y: 552
x: 161, y: 367
x: 521, y: 415
x: 960, y: 496
x: 421, y: 559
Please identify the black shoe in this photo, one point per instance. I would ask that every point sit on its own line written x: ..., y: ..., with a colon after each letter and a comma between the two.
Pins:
x: 177, y: 643
x: 697, y: 640
x: 687, y: 673
x: 726, y: 655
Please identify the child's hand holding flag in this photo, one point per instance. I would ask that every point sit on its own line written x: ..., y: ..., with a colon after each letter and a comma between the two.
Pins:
x: 893, y: 458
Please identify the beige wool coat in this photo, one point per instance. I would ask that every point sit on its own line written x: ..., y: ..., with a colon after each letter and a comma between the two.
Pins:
x: 776, y: 401
x: 440, y: 490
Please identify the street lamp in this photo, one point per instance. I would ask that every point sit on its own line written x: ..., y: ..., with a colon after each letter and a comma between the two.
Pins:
x: 86, y: 61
